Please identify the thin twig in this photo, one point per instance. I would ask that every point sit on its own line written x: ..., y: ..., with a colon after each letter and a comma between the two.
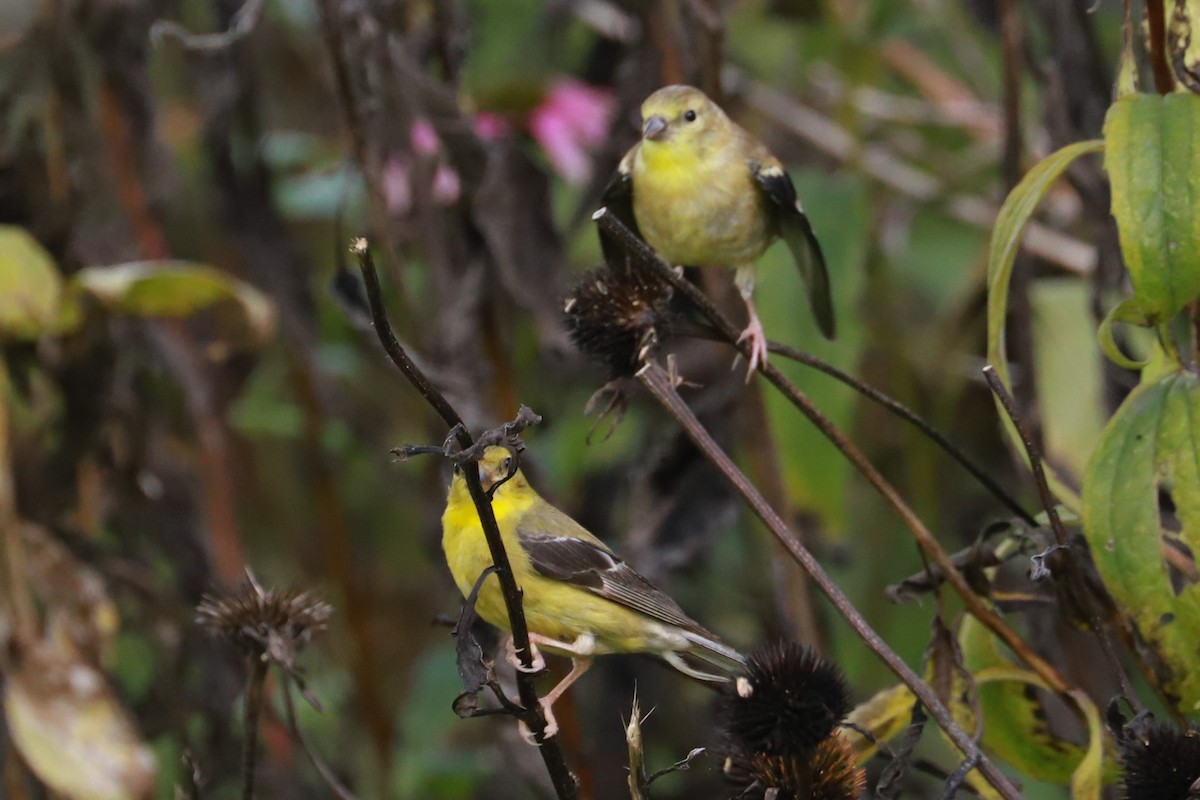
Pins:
x: 318, y: 763
x: 244, y: 21
x: 662, y: 387
x: 556, y: 765
x: 1069, y: 569
x: 904, y: 412
x: 253, y: 707
x: 611, y: 226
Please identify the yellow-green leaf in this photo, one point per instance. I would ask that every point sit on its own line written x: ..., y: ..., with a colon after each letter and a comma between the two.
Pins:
x: 1014, y: 721
x: 177, y: 289
x: 70, y: 730
x: 1010, y: 226
x: 884, y: 716
x: 1151, y: 446
x: 1088, y: 776
x: 30, y: 287
x: 1152, y: 155
x: 1068, y: 372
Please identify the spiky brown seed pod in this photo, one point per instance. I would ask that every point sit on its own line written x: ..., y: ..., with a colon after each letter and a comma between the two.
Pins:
x: 614, y: 315
x: 785, y: 701
x: 830, y: 772
x: 261, y: 621
x: 1161, y: 762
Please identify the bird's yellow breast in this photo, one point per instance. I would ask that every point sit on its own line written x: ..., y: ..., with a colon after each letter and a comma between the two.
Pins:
x: 699, y: 208
x: 554, y: 609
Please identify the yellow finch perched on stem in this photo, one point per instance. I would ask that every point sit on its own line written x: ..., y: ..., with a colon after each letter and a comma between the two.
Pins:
x: 581, y: 600
x: 703, y: 192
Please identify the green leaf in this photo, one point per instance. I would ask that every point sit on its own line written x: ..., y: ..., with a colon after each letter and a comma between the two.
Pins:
x: 1014, y: 720
x: 1151, y: 446
x: 1152, y: 155
x: 1014, y: 215
x: 1088, y: 777
x: 1068, y: 372
x: 1127, y: 312
x: 885, y: 716
x: 180, y: 289
x: 30, y: 287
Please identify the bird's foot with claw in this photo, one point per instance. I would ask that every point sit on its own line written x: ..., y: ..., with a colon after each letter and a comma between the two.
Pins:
x: 550, y: 730
x: 538, y: 664
x: 757, y: 337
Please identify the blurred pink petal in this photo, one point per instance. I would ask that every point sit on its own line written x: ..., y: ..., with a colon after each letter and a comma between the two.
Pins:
x: 558, y: 139
x: 571, y: 120
x: 489, y: 126
x: 424, y: 137
x: 446, y: 185
x: 397, y: 186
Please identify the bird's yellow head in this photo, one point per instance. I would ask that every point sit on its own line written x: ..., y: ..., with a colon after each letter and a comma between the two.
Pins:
x: 494, y: 466
x: 682, y: 117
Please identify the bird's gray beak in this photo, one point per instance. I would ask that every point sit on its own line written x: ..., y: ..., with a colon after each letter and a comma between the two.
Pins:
x: 654, y: 128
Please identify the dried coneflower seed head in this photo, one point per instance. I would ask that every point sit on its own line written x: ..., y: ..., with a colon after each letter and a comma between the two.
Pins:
x: 785, y: 701
x: 264, y: 621
x: 614, y: 315
x: 1161, y: 762
x: 829, y: 772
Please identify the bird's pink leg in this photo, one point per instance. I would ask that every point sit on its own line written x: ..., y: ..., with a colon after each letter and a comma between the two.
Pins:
x: 754, y: 333
x: 582, y: 649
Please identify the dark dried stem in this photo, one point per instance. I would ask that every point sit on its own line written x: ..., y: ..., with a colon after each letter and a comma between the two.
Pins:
x: 1010, y: 43
x: 661, y: 386
x: 556, y: 765
x: 647, y: 258
x: 254, y: 696
x: 1069, y: 569
x: 1156, y: 18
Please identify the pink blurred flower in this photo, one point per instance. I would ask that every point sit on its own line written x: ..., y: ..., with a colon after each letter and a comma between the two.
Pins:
x: 446, y: 185
x: 397, y: 186
x: 489, y: 126
x: 570, y: 122
x: 424, y: 137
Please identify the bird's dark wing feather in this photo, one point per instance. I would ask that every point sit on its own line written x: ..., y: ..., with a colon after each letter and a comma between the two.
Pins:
x: 618, y: 199
x: 588, y: 564
x: 796, y: 230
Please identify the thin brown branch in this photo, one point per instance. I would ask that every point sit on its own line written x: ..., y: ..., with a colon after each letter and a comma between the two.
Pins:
x: 556, y: 765
x: 1010, y: 48
x: 1156, y: 17
x: 244, y: 21
x: 331, y: 780
x: 610, y: 226
x: 662, y: 387
x: 1068, y: 568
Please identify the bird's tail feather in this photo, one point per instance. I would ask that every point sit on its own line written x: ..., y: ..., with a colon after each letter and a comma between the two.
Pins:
x: 702, y: 656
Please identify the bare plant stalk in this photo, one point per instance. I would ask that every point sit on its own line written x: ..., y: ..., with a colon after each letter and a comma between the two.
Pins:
x: 1156, y: 19
x: 982, y: 611
x: 560, y: 775
x: 253, y: 707
x: 662, y: 387
x: 1070, y: 570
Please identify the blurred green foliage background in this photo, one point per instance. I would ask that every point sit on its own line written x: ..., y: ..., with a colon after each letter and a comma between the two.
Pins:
x: 166, y: 456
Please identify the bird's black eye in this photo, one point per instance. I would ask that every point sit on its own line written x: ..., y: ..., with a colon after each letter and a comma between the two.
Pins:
x: 457, y: 469
x: 507, y: 464
x: 689, y: 115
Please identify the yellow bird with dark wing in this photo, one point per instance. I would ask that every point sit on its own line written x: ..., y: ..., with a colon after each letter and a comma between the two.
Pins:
x: 702, y: 191
x: 580, y: 599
